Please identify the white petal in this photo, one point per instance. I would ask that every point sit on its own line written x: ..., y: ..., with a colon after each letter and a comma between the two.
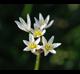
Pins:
x: 49, y: 24
x: 33, y: 50
x: 21, y: 26
x: 26, y: 49
x: 40, y: 17
x: 36, y: 24
x: 47, y: 19
x: 51, y: 40
x: 46, y: 53
x: 35, y: 53
x: 37, y: 41
x: 28, y: 20
x: 39, y: 46
x: 43, y: 32
x: 55, y: 45
x: 32, y: 31
x: 44, y: 41
x: 36, y: 20
x: 25, y: 42
x: 22, y: 21
x: 45, y: 22
x: 43, y: 26
x: 53, y: 51
x: 31, y: 38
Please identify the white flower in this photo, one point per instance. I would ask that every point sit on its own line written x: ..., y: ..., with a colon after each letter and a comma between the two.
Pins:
x: 37, y: 32
x: 32, y: 45
x: 23, y: 25
x: 41, y: 23
x: 49, y: 46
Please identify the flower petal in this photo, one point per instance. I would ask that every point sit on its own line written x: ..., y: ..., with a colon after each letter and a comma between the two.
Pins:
x: 36, y: 24
x: 36, y: 20
x: 47, y: 19
x: 51, y: 40
x: 25, y: 42
x: 26, y: 49
x: 32, y: 30
x: 22, y: 21
x: 43, y: 32
x: 31, y: 38
x: 46, y: 53
x: 37, y: 41
x: 53, y: 51
x: 44, y: 41
x: 43, y: 26
x: 21, y: 26
x: 45, y: 22
x: 49, y: 24
x: 55, y: 45
x: 33, y: 50
x: 40, y: 17
x: 25, y: 26
x: 39, y: 46
x: 28, y: 21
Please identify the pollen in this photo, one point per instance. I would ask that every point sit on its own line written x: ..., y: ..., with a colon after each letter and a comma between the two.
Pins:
x: 37, y: 33
x: 48, y: 46
x: 32, y: 45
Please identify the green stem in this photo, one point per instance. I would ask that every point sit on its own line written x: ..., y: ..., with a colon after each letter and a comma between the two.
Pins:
x: 37, y: 62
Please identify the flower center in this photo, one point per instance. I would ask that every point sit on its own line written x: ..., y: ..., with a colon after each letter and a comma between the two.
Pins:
x: 48, y: 46
x: 32, y: 45
x: 37, y: 33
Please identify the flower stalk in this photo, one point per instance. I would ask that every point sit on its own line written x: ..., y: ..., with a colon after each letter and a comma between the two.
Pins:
x: 37, y: 62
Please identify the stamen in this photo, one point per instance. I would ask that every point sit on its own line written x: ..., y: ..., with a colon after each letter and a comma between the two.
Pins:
x: 32, y: 45
x: 48, y: 46
x: 37, y: 33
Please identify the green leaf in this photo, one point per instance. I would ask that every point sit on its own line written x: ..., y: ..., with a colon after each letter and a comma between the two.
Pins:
x: 27, y: 9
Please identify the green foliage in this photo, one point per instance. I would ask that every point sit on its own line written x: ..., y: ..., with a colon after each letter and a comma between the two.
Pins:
x: 27, y: 9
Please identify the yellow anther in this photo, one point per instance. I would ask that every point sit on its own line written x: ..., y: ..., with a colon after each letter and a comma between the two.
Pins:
x: 37, y: 33
x: 48, y: 46
x: 32, y: 45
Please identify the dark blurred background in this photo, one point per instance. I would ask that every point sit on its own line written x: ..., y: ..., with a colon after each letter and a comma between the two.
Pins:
x: 66, y: 29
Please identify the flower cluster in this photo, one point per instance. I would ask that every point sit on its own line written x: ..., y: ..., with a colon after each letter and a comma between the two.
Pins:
x: 36, y: 35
